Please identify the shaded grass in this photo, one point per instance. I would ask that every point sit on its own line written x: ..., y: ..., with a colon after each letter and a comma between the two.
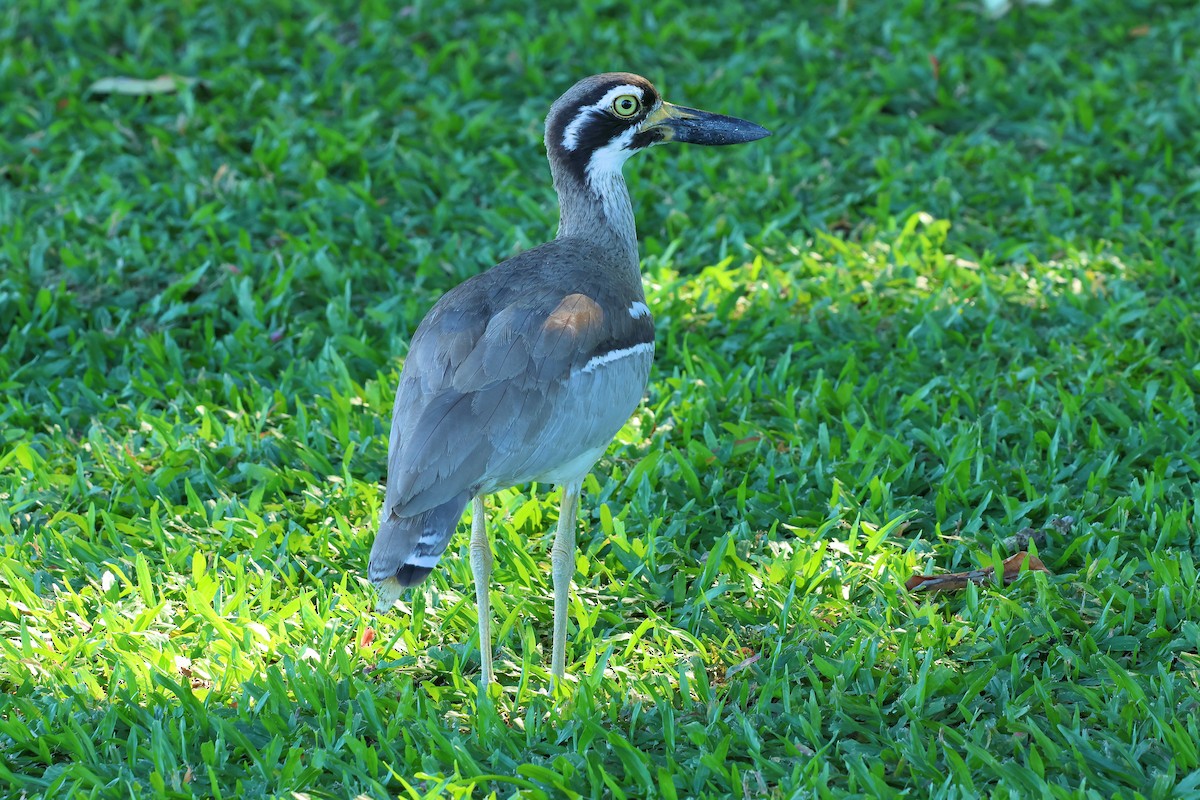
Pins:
x: 930, y: 311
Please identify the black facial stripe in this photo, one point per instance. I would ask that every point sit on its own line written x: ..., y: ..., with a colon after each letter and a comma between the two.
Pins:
x: 598, y: 131
x: 646, y: 138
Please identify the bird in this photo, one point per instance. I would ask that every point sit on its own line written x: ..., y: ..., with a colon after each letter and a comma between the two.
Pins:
x: 527, y: 371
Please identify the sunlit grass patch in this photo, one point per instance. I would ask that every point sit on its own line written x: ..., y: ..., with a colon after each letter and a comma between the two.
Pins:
x: 948, y: 300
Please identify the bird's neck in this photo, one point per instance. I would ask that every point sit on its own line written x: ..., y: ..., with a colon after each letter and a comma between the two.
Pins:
x: 596, y: 207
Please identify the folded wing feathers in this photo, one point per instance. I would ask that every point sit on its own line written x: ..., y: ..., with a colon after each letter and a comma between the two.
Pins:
x: 460, y: 406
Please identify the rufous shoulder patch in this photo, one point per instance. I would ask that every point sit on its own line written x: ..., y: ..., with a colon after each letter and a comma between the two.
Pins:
x: 576, y: 312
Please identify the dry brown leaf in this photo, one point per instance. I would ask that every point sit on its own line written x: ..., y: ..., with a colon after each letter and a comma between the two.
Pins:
x: 956, y: 581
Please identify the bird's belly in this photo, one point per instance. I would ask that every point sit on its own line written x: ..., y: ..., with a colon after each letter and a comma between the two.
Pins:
x: 591, y: 406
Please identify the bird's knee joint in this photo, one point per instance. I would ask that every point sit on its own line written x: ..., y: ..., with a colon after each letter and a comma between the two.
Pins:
x: 481, y: 553
x: 562, y: 558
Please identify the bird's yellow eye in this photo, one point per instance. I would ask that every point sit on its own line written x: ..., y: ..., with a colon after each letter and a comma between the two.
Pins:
x: 626, y: 105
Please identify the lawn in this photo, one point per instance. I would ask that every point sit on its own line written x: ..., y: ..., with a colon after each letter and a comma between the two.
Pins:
x: 953, y: 297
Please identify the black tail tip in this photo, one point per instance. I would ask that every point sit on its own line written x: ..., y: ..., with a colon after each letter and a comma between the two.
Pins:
x: 411, y: 575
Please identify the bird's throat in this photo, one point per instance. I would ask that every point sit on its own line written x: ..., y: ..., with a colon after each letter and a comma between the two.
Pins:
x: 596, y: 206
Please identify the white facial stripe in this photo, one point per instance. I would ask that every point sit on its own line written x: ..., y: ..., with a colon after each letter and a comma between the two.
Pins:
x: 639, y: 310
x: 571, y: 133
x: 616, y: 355
x: 612, y: 94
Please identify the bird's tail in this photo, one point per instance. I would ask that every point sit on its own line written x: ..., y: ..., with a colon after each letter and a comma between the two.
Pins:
x: 408, y: 548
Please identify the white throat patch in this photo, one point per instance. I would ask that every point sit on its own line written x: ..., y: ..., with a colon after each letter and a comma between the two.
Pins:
x: 609, y: 159
x: 603, y: 174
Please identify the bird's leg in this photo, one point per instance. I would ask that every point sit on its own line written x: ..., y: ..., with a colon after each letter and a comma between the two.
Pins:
x: 481, y: 566
x: 562, y: 561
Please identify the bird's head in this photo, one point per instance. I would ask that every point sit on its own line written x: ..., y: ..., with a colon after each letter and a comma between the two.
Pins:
x: 602, y: 120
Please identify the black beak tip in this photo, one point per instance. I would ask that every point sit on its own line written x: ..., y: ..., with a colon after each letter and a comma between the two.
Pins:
x: 739, y: 131
x: 757, y: 132
x: 703, y: 127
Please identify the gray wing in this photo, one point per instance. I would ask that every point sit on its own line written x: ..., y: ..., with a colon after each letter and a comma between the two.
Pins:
x: 477, y: 386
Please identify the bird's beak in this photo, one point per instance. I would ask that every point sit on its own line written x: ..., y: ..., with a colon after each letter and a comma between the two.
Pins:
x: 680, y: 124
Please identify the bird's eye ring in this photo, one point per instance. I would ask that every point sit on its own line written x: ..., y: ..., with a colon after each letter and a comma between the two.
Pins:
x: 626, y: 106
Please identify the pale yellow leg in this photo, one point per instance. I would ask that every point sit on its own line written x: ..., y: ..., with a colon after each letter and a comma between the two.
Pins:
x: 481, y: 566
x: 562, y: 562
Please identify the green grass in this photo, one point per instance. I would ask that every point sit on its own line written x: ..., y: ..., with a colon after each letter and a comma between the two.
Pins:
x: 932, y: 310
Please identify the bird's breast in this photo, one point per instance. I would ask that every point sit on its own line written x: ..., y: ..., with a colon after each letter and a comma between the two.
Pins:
x: 589, y: 408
